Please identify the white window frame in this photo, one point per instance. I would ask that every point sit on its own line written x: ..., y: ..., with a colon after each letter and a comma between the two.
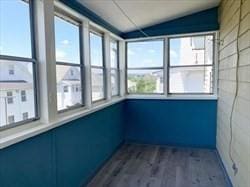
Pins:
x: 103, y: 67
x: 146, y: 68
x: 202, y: 65
x: 50, y: 117
x: 166, y: 94
x: 34, y: 62
x: 67, y: 17
x: 117, y: 69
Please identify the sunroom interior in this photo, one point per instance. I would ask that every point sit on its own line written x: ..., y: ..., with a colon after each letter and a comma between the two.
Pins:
x: 124, y: 93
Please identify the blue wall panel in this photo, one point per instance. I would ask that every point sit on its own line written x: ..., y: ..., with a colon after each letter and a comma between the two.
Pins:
x: 65, y: 156
x: 29, y: 163
x: 189, y: 123
x: 71, y: 154
x: 85, y: 144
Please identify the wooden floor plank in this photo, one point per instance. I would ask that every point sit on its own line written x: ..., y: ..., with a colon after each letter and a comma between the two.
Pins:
x: 160, y: 166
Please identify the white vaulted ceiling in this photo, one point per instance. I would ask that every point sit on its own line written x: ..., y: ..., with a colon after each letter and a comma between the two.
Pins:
x: 145, y: 12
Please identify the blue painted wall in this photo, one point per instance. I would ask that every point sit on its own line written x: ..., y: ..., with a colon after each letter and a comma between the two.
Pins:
x: 189, y: 123
x: 66, y: 156
x: 69, y: 156
x: 203, y: 21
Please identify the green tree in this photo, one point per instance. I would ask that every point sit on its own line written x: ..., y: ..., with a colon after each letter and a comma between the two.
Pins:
x: 144, y: 84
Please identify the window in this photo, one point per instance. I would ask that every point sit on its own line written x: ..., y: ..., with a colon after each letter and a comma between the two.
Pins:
x: 23, y: 96
x: 11, y: 119
x: 114, y: 64
x: 65, y: 89
x: 68, y: 62
x: 15, y: 28
x: 9, y: 97
x: 25, y: 115
x: 191, y: 65
x: 11, y: 70
x: 17, y: 61
x: 97, y: 66
x: 77, y: 88
x: 145, y: 67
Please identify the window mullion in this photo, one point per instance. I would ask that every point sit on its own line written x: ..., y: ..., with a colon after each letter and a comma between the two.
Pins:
x: 107, y: 73
x: 44, y: 26
x: 87, y: 69
x: 166, y: 67
x: 122, y: 71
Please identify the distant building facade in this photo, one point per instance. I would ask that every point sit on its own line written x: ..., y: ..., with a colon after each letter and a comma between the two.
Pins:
x: 16, y: 92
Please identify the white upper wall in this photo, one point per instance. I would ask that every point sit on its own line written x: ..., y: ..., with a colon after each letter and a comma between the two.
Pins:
x: 145, y: 12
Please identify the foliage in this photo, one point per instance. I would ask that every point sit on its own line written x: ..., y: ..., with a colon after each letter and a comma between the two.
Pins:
x: 144, y: 83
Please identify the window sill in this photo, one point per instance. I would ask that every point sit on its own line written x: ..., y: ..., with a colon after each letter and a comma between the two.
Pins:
x: 20, y: 133
x: 173, y: 97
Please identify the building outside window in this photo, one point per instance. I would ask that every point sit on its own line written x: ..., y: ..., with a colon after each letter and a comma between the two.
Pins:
x: 97, y: 66
x: 191, y: 65
x: 114, y: 64
x: 145, y: 67
x: 68, y: 62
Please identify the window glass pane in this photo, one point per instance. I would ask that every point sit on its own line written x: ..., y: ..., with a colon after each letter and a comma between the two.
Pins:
x: 114, y: 82
x: 67, y: 96
x: 96, y: 50
x: 114, y: 54
x: 67, y: 41
x: 145, y: 81
x: 191, y: 80
x: 145, y: 54
x: 25, y: 115
x: 11, y: 89
x: 15, y: 35
x: 97, y: 84
x: 197, y: 50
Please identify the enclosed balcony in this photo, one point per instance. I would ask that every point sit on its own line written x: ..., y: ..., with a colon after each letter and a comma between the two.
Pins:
x: 122, y: 93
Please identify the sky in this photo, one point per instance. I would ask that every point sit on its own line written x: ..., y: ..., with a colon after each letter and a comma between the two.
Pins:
x: 15, y: 40
x: 67, y: 41
x: 150, y: 53
x: 96, y: 50
x: 15, y: 37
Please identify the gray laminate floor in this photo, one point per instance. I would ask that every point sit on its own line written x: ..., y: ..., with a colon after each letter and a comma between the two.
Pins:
x: 158, y: 166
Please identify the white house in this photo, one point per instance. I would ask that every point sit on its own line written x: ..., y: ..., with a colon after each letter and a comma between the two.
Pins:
x: 193, y: 51
x: 68, y: 86
x: 16, y: 92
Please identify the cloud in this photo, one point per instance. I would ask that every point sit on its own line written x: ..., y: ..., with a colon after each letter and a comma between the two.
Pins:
x: 173, y: 54
x: 60, y: 54
x: 65, y: 42
x: 151, y: 51
x: 130, y: 52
